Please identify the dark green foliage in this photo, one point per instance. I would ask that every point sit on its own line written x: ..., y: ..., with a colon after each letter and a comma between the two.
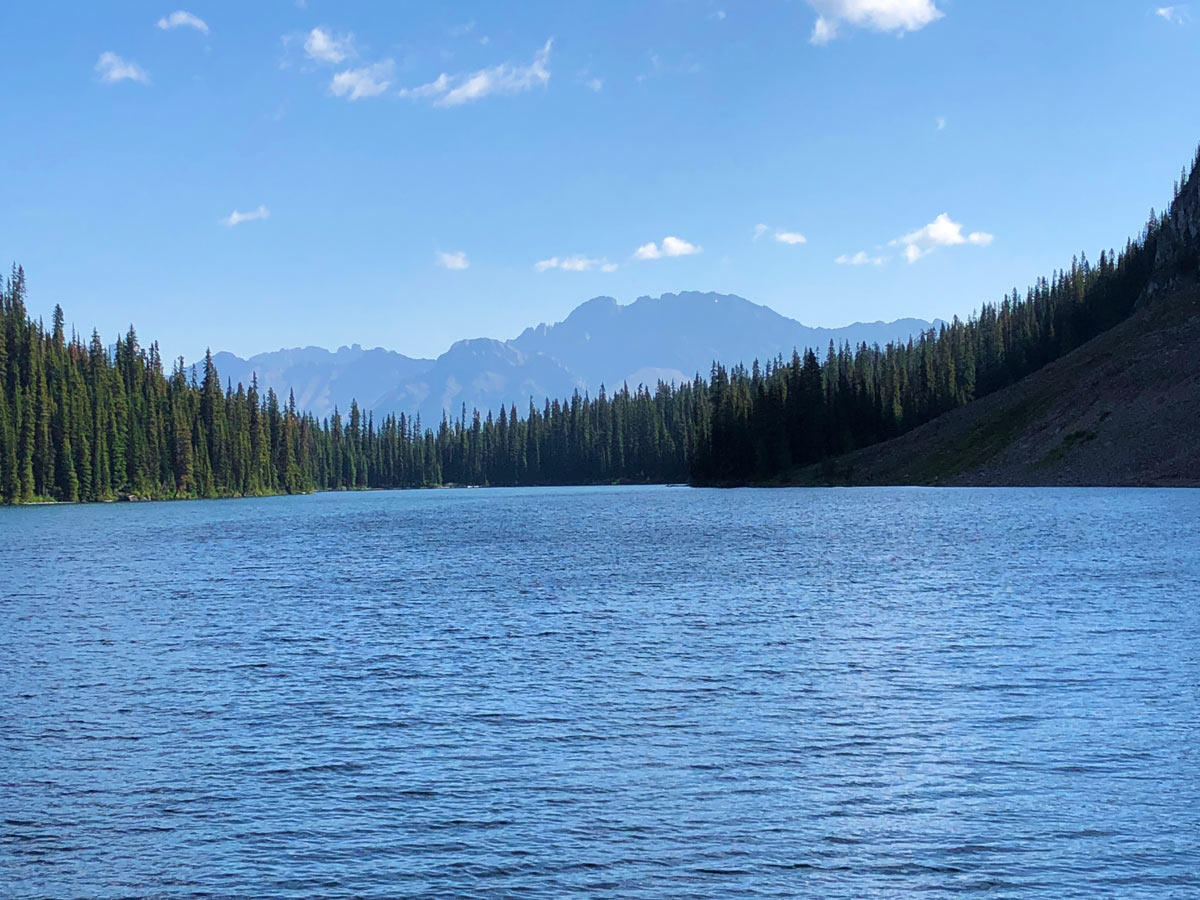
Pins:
x: 89, y: 423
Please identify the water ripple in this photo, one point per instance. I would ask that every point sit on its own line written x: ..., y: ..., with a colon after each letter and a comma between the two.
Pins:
x: 625, y: 693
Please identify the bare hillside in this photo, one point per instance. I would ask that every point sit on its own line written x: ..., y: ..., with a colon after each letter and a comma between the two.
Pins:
x: 1123, y: 409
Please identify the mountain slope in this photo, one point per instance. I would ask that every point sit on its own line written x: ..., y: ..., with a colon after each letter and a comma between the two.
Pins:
x: 1123, y: 409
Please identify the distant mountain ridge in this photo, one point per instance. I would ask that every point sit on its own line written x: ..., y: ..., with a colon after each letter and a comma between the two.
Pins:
x: 482, y: 374
x: 321, y: 379
x: 601, y: 342
x: 677, y: 335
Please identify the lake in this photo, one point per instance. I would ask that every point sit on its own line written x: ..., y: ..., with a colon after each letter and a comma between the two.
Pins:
x: 604, y: 692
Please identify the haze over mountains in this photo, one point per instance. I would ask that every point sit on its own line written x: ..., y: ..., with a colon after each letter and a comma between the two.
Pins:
x: 669, y: 338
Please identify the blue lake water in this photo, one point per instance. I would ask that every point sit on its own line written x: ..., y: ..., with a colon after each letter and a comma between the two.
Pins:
x: 625, y: 692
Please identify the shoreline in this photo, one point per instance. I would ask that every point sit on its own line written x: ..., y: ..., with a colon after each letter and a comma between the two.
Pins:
x: 718, y: 486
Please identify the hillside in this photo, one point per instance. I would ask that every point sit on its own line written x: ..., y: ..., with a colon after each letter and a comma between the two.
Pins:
x: 1089, y: 378
x: 1123, y: 409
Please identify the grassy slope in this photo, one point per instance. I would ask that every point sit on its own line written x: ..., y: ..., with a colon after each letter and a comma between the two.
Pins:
x: 1123, y: 409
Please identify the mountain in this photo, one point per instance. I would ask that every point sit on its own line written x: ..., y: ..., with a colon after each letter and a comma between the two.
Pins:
x: 322, y: 379
x: 669, y: 338
x: 481, y: 374
x: 674, y: 336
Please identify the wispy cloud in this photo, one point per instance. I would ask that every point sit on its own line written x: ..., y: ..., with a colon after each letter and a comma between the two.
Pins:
x: 575, y: 263
x: 366, y: 81
x: 237, y: 218
x: 896, y: 16
x: 941, y: 123
x: 111, y: 69
x: 182, y: 19
x: 861, y: 258
x: 323, y: 46
x: 941, y: 232
x: 782, y: 236
x: 1176, y: 15
x: 655, y: 66
x: 687, y: 65
x: 453, y: 261
x: 671, y: 246
x: 507, y: 78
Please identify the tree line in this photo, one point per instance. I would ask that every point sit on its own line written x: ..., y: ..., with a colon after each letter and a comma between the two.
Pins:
x: 83, y: 421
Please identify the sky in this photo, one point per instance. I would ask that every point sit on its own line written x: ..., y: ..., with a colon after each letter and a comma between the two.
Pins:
x: 249, y: 176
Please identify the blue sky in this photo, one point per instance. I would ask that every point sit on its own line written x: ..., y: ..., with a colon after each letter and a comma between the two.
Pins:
x: 247, y: 176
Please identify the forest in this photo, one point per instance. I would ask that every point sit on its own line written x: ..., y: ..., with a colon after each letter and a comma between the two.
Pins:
x: 90, y: 421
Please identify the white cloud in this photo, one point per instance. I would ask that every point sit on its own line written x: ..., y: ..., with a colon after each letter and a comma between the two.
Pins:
x: 575, y: 263
x: 367, y: 81
x: 941, y: 232
x: 595, y: 84
x: 718, y: 15
x: 111, y: 69
x: 671, y: 246
x: 823, y: 32
x: 322, y: 45
x: 181, y: 19
x: 237, y: 218
x: 507, y: 78
x: 453, y: 261
x: 781, y: 236
x: 861, y: 258
x: 941, y: 123
x: 1176, y: 15
x: 899, y: 16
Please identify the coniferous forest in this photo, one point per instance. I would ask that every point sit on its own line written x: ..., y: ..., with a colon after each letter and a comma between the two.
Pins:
x: 83, y: 421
